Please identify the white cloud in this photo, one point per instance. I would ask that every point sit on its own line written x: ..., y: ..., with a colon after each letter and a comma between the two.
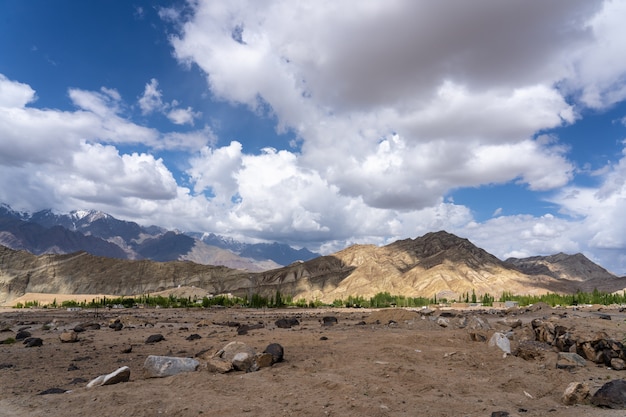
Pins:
x: 462, y: 105
x: 183, y: 116
x: 15, y: 94
x: 152, y: 101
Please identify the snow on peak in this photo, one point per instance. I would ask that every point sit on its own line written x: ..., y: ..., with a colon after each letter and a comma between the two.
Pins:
x: 89, y: 215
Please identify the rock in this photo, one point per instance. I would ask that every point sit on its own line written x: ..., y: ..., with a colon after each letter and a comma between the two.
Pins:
x: 564, y: 342
x: 575, y: 393
x: 244, y: 361
x: 618, y: 364
x: 567, y: 360
x: 229, y: 351
x: 116, y: 325
x: 500, y: 414
x: 478, y: 337
x: 611, y: 395
x: 120, y: 375
x: 69, y: 337
x: 477, y: 323
x: 512, y: 323
x: 22, y: 334
x: 532, y: 350
x: 53, y: 391
x: 219, y: 365
x: 127, y: 349
x: 443, y: 321
x: 160, y: 366
x: 276, y: 351
x: 194, y: 336
x: 154, y: 338
x: 501, y: 341
x: 604, y: 316
x: 426, y: 311
x: 79, y: 328
x: 245, y: 328
x: 287, y: 323
x: 33, y: 342
x: 329, y: 321
x: 263, y: 360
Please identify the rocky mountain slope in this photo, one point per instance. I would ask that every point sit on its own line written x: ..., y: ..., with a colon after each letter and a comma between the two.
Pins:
x: 438, y: 264
x: 100, y: 234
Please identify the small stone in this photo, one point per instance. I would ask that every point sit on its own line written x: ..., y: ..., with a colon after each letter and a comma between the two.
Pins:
x: 53, y: 391
x: 33, y: 342
x: 501, y: 341
x: 478, y: 337
x: 229, y: 351
x: 119, y: 375
x: 117, y: 326
x: 567, y: 360
x: 500, y: 414
x: 287, y: 323
x: 263, y: 360
x: 219, y: 365
x: 127, y: 349
x: 443, y: 321
x: 68, y: 337
x: 243, y: 361
x: 154, y: 338
x: 194, y: 336
x: 575, y: 393
x: 276, y: 351
x: 618, y: 364
x: 329, y: 321
x: 160, y: 366
x: 22, y: 334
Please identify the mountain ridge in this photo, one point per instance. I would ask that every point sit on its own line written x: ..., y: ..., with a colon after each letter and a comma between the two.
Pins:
x: 103, y: 235
x: 437, y: 264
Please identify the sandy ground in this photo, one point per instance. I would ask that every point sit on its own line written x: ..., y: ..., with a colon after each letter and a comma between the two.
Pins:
x: 409, y: 367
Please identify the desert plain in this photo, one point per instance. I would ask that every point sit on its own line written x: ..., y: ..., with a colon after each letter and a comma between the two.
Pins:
x: 386, y: 362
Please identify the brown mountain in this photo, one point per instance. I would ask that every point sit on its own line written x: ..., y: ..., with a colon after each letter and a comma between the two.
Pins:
x: 438, y: 263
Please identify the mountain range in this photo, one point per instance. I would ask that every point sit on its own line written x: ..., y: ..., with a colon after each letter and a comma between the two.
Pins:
x: 437, y: 263
x: 100, y: 234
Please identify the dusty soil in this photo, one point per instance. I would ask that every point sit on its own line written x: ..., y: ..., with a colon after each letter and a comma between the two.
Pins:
x: 362, y: 366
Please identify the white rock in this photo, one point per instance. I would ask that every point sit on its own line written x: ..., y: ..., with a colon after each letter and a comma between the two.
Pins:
x: 120, y: 375
x: 160, y: 366
x: 500, y: 340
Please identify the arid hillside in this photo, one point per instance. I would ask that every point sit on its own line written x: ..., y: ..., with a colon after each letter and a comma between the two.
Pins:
x: 440, y: 264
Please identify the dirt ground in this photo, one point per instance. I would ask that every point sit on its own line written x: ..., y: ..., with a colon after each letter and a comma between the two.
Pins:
x: 391, y: 362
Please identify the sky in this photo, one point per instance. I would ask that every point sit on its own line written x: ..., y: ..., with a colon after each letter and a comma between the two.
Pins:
x: 324, y: 124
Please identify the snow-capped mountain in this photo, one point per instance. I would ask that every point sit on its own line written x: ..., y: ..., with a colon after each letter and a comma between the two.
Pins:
x: 101, y: 234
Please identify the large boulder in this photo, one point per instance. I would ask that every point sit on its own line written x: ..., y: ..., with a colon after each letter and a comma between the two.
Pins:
x: 161, y: 366
x: 611, y: 395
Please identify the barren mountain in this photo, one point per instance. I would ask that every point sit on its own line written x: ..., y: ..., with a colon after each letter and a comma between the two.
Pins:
x: 438, y: 264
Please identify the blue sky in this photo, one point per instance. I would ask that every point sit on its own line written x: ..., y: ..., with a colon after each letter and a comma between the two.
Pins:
x: 324, y: 124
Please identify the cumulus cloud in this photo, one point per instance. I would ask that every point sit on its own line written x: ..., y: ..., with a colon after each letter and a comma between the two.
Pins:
x: 412, y: 112
x: 69, y: 159
x: 152, y: 101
